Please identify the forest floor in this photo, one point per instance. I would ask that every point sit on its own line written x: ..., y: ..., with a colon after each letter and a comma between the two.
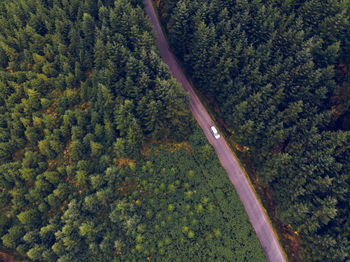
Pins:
x: 6, y: 258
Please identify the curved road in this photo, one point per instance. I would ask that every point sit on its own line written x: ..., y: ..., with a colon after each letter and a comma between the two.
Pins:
x: 255, y: 212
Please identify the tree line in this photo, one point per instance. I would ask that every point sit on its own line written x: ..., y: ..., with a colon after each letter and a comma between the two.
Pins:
x: 83, y: 91
x: 279, y: 73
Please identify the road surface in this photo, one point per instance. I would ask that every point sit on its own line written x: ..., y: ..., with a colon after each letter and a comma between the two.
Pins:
x: 255, y: 212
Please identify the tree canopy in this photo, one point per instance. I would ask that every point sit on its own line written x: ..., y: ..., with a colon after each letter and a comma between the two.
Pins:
x: 278, y: 72
x: 99, y: 157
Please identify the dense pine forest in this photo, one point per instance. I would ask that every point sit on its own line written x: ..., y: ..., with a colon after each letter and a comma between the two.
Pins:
x: 100, y: 159
x: 279, y: 73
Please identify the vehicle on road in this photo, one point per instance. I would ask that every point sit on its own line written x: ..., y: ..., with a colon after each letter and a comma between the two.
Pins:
x: 214, y: 132
x: 255, y: 211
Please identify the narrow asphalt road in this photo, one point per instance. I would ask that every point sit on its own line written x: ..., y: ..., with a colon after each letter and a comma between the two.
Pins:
x: 255, y: 212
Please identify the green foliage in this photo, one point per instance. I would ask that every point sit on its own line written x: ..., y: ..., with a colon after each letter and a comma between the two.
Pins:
x: 272, y: 68
x: 82, y: 89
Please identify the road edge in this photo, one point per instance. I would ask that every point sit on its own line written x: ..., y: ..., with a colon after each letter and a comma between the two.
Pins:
x: 223, y: 136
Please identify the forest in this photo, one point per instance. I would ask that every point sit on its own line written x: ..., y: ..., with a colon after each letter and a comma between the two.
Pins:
x: 100, y: 158
x: 279, y: 74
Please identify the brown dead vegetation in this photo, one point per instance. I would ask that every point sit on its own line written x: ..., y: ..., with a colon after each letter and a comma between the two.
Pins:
x: 172, y: 147
x: 6, y: 258
x: 145, y: 151
x: 238, y: 147
x: 124, y: 162
x: 167, y: 145
x: 66, y: 152
x: 52, y: 163
x: 88, y: 74
x: 84, y: 106
x: 18, y: 155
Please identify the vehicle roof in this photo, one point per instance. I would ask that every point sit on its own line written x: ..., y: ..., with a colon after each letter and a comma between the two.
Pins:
x: 213, y: 128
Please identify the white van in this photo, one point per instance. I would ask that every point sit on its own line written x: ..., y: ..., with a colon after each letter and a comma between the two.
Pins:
x: 214, y: 132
